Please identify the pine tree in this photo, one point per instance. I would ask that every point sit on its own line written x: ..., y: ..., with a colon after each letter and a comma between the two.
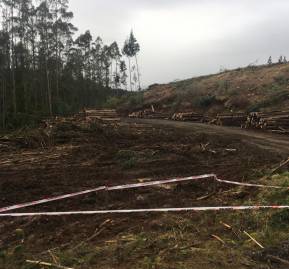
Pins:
x: 280, y: 61
x: 269, y: 62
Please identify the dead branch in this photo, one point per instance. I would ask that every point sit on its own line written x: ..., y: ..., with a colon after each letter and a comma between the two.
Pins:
x: 253, y: 239
x: 47, y: 264
x: 96, y: 233
x: 280, y: 166
x: 219, y: 239
x: 277, y: 259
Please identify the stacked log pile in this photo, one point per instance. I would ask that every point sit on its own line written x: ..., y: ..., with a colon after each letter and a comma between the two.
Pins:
x: 231, y: 119
x: 189, y: 116
x: 149, y: 114
x: 277, y: 121
x: 108, y: 115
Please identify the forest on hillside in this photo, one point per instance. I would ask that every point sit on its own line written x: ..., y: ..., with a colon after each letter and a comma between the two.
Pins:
x: 46, y: 70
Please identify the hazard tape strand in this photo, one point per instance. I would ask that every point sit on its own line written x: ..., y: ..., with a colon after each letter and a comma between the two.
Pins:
x: 133, y: 186
x: 104, y: 188
x: 154, y: 210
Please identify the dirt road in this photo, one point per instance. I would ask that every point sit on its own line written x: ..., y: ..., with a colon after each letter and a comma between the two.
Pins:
x: 268, y: 141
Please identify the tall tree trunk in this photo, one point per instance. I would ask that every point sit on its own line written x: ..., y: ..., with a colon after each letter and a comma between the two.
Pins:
x: 111, y: 74
x: 46, y: 66
x: 13, y: 61
x: 129, y: 67
x: 138, y: 74
x: 49, y: 93
x: 116, y: 74
x: 3, y: 105
x: 57, y: 55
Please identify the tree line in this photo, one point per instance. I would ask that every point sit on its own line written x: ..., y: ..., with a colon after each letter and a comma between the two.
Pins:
x: 45, y: 70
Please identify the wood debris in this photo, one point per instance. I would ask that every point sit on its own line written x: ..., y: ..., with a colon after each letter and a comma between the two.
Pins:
x: 253, y: 239
x: 218, y: 239
x: 277, y: 259
x: 283, y: 164
x: 47, y: 264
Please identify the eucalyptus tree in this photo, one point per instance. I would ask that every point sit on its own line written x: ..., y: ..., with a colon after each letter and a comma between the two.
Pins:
x: 4, y: 66
x: 127, y: 52
x: 134, y: 50
x: 123, y: 74
x: 97, y: 61
x: 10, y: 8
x: 62, y: 31
x: 131, y: 48
x: 115, y: 56
x: 44, y: 27
x: 106, y: 63
x: 84, y: 43
x: 44, y: 69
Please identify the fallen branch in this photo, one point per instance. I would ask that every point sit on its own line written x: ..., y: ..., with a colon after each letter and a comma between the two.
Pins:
x: 47, y: 264
x: 280, y: 166
x: 219, y: 239
x: 206, y: 196
x: 253, y: 239
x: 277, y: 259
x: 96, y: 233
x: 229, y: 227
x: 54, y: 257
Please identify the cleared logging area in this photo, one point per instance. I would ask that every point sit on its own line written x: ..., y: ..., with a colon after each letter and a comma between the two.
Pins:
x: 84, y: 154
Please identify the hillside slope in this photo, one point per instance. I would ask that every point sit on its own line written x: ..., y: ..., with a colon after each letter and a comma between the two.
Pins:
x: 263, y: 88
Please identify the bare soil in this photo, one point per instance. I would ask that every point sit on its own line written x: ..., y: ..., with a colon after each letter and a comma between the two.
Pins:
x: 75, y: 157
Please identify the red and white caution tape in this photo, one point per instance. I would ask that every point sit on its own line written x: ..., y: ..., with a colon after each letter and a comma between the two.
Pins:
x: 133, y: 186
x: 249, y: 184
x: 104, y: 188
x: 155, y: 210
x: 160, y: 182
x: 47, y: 200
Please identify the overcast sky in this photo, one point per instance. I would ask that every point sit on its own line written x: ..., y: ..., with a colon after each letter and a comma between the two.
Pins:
x: 185, y: 38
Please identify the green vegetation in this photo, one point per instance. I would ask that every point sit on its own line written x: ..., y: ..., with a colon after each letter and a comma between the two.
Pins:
x: 273, y: 99
x: 127, y: 101
x: 205, y: 101
x: 127, y: 158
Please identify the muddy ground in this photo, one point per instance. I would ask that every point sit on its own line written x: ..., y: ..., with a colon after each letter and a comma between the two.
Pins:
x: 68, y: 156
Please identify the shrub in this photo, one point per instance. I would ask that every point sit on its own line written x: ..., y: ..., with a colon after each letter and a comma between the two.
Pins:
x: 205, y: 101
x: 239, y: 102
x: 281, y: 80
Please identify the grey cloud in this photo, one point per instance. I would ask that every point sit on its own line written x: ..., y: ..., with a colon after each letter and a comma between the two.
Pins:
x: 242, y: 32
